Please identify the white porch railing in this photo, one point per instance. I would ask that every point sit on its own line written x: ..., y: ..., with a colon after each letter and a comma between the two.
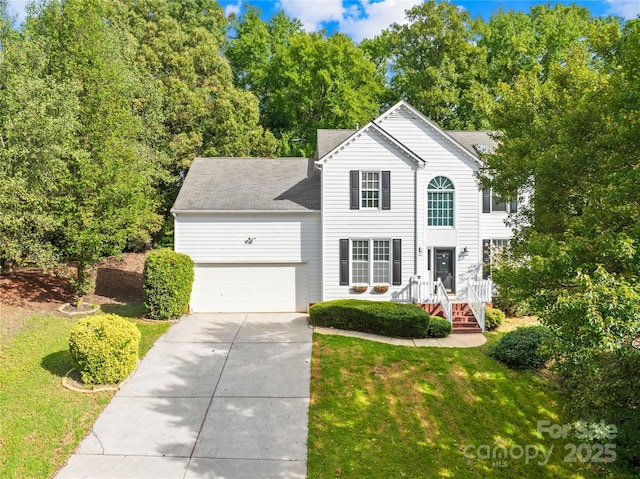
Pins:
x: 443, y: 299
x: 483, y: 289
x: 476, y: 303
x: 423, y: 290
x: 427, y: 291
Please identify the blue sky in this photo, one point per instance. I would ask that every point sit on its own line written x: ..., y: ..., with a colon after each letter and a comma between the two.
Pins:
x: 366, y: 18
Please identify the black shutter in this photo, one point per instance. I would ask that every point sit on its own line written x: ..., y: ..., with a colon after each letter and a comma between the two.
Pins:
x: 344, y: 262
x: 354, y: 182
x: 386, y: 190
x: 397, y: 262
x: 486, y: 200
x: 486, y: 251
x: 513, y: 206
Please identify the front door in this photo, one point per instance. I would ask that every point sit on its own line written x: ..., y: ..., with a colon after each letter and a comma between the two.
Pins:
x: 445, y: 267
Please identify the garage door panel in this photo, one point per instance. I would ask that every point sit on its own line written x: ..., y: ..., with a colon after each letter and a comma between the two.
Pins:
x: 250, y: 288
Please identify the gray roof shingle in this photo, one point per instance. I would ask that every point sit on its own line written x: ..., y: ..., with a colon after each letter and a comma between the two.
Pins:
x: 470, y: 138
x: 329, y: 139
x: 250, y: 184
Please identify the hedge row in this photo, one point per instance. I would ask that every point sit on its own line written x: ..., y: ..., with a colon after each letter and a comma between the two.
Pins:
x: 386, y: 318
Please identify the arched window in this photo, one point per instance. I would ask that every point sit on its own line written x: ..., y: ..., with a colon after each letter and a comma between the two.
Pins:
x: 440, y: 202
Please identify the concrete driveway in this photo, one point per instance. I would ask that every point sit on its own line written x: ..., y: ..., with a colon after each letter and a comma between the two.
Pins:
x: 218, y: 396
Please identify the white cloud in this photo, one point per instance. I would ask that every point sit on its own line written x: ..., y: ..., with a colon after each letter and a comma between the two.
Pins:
x: 363, y: 19
x: 233, y: 8
x: 625, y: 8
x: 373, y: 17
x: 313, y: 13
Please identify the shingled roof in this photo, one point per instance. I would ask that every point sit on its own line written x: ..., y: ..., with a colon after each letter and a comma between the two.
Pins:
x: 471, y: 139
x: 250, y: 184
x: 329, y: 139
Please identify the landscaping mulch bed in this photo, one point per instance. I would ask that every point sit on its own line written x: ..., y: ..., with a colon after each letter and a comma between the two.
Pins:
x: 31, y: 290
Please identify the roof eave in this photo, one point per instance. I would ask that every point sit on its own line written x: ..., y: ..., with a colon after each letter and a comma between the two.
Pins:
x: 419, y: 161
x: 432, y: 125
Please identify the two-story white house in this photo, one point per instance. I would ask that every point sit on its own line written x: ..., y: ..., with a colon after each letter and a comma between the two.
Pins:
x: 392, y: 208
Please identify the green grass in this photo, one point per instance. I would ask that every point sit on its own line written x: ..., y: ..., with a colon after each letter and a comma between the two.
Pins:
x: 41, y: 421
x: 381, y: 411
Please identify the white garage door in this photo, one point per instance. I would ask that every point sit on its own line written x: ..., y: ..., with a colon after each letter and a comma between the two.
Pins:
x: 232, y: 288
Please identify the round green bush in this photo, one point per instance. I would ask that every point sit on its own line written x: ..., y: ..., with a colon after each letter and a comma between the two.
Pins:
x: 104, y: 348
x: 493, y: 318
x: 167, y: 282
x: 520, y: 349
x: 438, y: 327
x: 387, y: 318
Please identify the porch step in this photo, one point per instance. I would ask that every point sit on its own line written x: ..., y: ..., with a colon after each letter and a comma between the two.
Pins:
x: 434, y: 309
x: 463, y: 320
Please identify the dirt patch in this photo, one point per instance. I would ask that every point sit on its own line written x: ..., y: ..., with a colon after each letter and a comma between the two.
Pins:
x: 31, y: 291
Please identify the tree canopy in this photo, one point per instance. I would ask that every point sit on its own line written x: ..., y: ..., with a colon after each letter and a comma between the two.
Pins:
x: 304, y: 81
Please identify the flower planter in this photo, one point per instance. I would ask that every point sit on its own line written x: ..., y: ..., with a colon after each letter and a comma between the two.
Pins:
x: 359, y: 288
x: 381, y: 288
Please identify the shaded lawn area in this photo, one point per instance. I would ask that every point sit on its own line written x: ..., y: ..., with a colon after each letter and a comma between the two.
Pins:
x: 41, y: 421
x: 381, y: 411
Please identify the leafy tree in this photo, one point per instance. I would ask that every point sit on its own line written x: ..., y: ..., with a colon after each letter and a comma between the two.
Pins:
x: 109, y: 196
x: 179, y: 43
x: 303, y: 81
x: 437, y: 66
x: 37, y: 134
x: 573, y: 141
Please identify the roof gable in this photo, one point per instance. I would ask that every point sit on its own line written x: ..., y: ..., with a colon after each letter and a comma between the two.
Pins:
x: 456, y: 139
x: 378, y: 129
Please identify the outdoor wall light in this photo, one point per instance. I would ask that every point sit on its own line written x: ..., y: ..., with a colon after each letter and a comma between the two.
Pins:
x: 249, y: 240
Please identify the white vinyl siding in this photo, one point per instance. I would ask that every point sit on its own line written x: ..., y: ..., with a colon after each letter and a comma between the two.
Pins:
x: 368, y: 152
x: 443, y: 159
x: 277, y: 238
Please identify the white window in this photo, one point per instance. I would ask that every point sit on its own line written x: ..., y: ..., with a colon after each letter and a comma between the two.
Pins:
x: 370, y: 189
x: 492, y: 202
x: 360, y: 261
x: 440, y: 202
x: 490, y: 250
x: 381, y: 261
x: 371, y: 259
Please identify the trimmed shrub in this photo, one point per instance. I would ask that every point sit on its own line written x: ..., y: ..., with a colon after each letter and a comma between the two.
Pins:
x: 493, y: 318
x: 104, y: 348
x: 438, y: 327
x: 167, y: 282
x: 520, y: 349
x: 399, y: 320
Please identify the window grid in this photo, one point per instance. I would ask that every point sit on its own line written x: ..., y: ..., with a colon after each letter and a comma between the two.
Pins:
x: 370, y: 189
x: 360, y: 261
x: 440, y: 202
x: 381, y: 257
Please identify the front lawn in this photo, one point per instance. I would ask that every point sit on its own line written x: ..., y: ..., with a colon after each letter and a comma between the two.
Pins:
x: 381, y: 411
x: 42, y: 422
